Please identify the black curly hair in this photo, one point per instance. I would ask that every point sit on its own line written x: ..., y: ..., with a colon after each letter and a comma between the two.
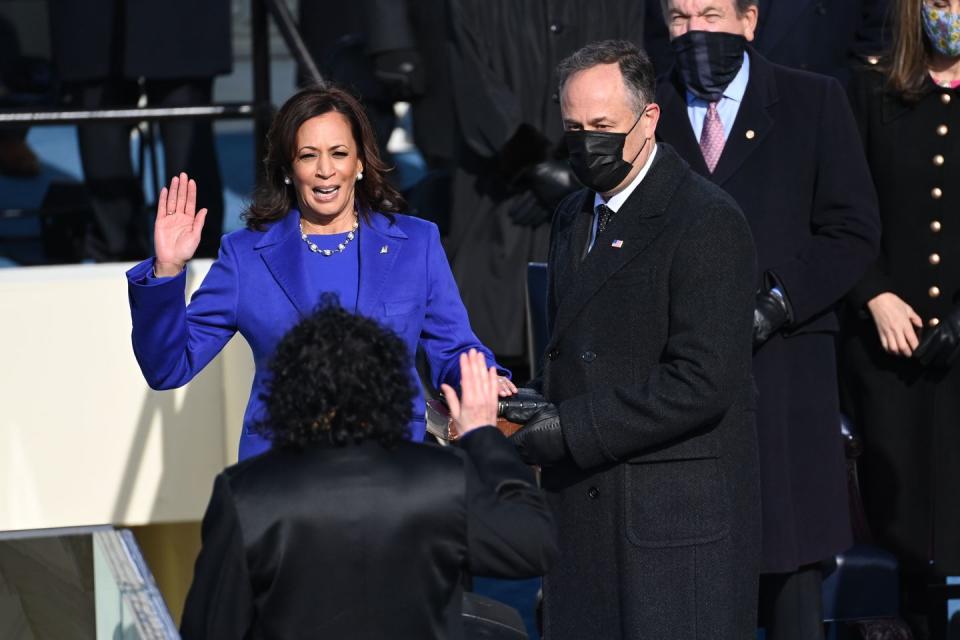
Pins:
x: 337, y: 378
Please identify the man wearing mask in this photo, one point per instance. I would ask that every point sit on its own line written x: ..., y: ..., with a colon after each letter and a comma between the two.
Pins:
x: 784, y: 144
x: 648, y: 448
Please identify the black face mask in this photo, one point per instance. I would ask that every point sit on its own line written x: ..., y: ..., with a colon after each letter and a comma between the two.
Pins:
x: 596, y: 157
x: 708, y: 61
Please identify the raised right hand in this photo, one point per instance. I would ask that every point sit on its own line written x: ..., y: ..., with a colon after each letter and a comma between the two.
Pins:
x: 176, y: 232
x: 477, y: 405
x: 897, y: 323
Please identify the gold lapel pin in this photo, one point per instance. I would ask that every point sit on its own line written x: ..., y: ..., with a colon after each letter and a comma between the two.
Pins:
x: 384, y: 249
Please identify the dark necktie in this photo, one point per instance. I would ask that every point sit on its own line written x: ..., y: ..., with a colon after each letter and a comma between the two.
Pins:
x: 605, y: 215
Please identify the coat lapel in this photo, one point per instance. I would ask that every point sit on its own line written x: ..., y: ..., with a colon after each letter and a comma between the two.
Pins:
x: 753, y: 122
x: 281, y: 248
x: 637, y: 224
x: 381, y: 242
x: 675, y: 125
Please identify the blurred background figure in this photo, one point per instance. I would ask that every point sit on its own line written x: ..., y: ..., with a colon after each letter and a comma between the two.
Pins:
x: 23, y: 80
x: 901, y: 337
x: 511, y: 170
x: 117, y: 53
x: 824, y: 36
x: 389, y: 51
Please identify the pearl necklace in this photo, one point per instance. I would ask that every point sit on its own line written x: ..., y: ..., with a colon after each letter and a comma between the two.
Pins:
x: 329, y: 252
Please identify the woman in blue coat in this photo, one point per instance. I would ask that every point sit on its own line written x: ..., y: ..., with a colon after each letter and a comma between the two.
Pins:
x: 324, y: 221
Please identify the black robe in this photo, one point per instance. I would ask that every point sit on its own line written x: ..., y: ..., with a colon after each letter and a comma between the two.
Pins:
x: 503, y: 56
x: 909, y: 417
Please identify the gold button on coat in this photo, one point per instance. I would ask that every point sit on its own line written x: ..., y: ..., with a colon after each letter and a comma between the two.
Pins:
x: 945, y: 98
x: 935, y: 226
x: 942, y: 130
x: 751, y: 134
x: 934, y: 258
x: 938, y: 160
x: 936, y: 192
x: 934, y: 292
x: 933, y: 322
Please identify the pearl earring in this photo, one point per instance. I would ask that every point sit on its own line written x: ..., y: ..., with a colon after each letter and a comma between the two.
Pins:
x: 286, y: 180
x: 359, y: 176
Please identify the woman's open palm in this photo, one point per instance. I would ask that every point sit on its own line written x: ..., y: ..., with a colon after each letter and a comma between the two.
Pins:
x: 176, y: 233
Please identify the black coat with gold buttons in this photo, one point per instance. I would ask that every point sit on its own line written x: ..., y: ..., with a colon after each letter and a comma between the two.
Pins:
x: 910, y: 417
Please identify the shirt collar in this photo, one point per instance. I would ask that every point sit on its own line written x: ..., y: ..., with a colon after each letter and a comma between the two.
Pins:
x: 734, y: 90
x: 617, y: 199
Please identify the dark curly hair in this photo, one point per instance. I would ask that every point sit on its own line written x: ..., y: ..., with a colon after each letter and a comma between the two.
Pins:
x: 273, y: 199
x: 337, y: 378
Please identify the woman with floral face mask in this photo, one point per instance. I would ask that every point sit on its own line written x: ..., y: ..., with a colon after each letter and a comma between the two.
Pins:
x: 900, y: 349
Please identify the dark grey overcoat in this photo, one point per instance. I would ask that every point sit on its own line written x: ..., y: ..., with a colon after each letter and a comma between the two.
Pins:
x: 649, y: 363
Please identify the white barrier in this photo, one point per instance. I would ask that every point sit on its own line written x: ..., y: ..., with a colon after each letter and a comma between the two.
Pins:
x: 83, y: 440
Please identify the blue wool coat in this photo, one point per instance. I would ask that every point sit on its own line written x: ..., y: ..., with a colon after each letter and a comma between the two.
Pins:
x: 259, y: 286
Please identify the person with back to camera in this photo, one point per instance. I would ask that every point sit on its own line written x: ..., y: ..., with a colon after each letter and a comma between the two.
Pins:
x: 346, y: 529
x: 901, y: 332
x: 324, y: 220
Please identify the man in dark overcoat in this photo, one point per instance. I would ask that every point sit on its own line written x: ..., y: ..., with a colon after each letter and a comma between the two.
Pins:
x: 510, y: 171
x: 648, y: 449
x: 784, y: 144
x: 102, y: 49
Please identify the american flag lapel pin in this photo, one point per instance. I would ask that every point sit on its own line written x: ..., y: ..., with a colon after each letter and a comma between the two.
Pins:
x: 616, y: 244
x: 384, y: 249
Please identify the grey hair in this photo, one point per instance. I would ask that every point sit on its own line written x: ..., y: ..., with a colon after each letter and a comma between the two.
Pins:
x: 635, y: 66
x: 740, y: 5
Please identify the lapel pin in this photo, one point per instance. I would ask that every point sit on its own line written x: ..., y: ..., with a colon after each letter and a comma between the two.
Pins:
x: 616, y: 244
x: 384, y: 249
x: 751, y: 134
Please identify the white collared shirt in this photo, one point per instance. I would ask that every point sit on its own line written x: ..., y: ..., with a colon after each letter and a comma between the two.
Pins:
x: 616, y: 200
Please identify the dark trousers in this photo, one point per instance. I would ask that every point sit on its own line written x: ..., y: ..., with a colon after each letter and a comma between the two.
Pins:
x: 120, y: 223
x: 791, y: 606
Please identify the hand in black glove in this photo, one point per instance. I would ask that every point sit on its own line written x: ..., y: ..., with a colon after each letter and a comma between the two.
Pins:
x: 941, y: 345
x: 401, y: 71
x: 551, y: 181
x: 769, y: 316
x: 541, y: 441
x: 528, y: 212
x: 522, y: 405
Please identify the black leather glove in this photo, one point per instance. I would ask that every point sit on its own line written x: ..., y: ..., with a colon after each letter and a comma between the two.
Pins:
x: 941, y: 345
x: 528, y: 212
x: 401, y: 71
x: 551, y: 181
x: 521, y: 406
x: 769, y: 316
x: 541, y: 441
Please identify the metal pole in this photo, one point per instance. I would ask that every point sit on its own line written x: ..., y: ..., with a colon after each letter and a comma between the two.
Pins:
x: 291, y: 35
x: 261, y: 82
x: 74, y: 116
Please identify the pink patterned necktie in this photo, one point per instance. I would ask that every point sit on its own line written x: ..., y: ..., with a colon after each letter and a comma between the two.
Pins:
x: 711, y: 138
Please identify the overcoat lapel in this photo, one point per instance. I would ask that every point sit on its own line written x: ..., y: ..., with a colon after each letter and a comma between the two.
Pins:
x: 675, y: 125
x: 753, y: 122
x: 283, y: 251
x: 285, y: 256
x: 637, y: 224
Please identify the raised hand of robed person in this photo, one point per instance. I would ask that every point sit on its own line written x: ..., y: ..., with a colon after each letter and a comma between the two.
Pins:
x: 176, y: 232
x: 477, y: 405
